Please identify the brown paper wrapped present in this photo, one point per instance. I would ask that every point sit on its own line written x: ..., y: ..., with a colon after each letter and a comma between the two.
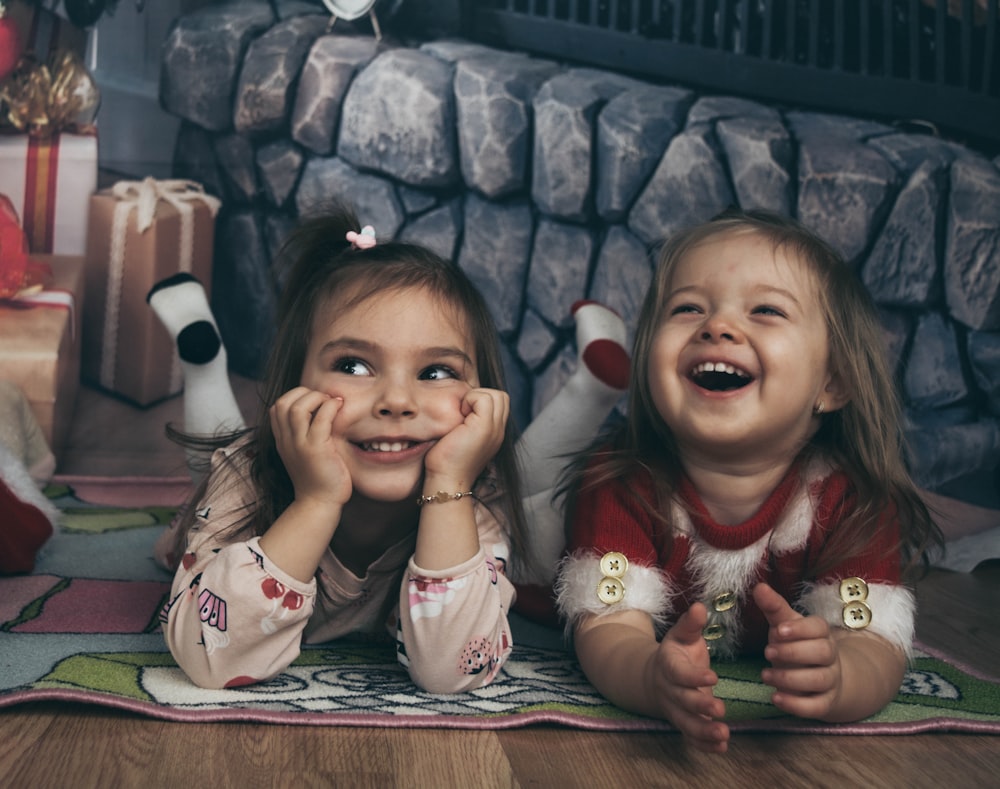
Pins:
x: 40, y: 346
x: 141, y: 232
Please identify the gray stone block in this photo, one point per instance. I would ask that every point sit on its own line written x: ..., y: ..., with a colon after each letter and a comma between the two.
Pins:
x: 984, y: 359
x: 896, y: 329
x: 552, y: 378
x: 372, y: 197
x: 938, y: 456
x: 493, y: 98
x: 279, y: 165
x: 906, y: 152
x: 194, y: 159
x: 438, y: 230
x: 689, y: 186
x: 495, y: 251
x: 398, y: 118
x: 266, y: 89
x: 717, y: 108
x: 201, y: 61
x: 536, y: 342
x: 633, y: 130
x: 823, y: 126
x: 972, y: 252
x: 244, y: 301
x: 934, y: 376
x: 235, y: 155
x: 902, y: 268
x: 559, y: 270
x: 326, y: 74
x: 761, y: 159
x: 845, y: 191
x: 565, y: 110
x: 622, y: 276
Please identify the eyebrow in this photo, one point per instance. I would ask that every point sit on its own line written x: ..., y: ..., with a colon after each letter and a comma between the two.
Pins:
x: 365, y: 347
x: 759, y: 291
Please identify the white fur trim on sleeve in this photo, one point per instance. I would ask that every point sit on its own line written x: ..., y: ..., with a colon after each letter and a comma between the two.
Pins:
x: 893, y: 610
x: 578, y: 578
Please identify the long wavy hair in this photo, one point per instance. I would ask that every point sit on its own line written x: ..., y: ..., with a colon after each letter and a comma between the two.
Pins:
x: 321, y: 269
x: 864, y: 439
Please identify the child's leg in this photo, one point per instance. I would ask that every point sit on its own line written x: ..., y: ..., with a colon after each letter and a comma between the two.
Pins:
x: 209, y: 404
x: 567, y: 424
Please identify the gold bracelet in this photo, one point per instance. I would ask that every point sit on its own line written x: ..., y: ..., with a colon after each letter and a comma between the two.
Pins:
x: 441, y: 497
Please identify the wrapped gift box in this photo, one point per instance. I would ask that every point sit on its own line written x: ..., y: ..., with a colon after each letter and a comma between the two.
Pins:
x: 40, y: 349
x: 141, y: 233
x: 50, y: 181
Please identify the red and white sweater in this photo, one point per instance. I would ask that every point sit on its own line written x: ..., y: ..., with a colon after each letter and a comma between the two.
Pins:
x: 669, y: 568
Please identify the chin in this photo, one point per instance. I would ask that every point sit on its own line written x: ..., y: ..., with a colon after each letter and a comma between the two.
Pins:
x: 389, y: 494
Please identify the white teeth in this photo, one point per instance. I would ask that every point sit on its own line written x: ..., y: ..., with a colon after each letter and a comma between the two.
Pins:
x: 386, y: 446
x: 719, y: 367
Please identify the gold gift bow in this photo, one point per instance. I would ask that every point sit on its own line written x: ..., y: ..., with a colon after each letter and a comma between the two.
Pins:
x: 44, y: 101
x: 144, y: 196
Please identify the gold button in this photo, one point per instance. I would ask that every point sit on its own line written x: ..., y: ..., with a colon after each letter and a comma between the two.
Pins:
x: 853, y: 589
x: 857, y: 616
x: 713, y: 632
x: 723, y: 602
x: 614, y: 564
x: 610, y: 590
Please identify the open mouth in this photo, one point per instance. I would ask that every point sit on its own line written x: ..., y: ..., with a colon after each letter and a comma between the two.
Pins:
x: 387, y: 446
x: 720, y: 377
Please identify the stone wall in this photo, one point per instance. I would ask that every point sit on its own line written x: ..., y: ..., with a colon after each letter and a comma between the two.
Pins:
x: 550, y: 183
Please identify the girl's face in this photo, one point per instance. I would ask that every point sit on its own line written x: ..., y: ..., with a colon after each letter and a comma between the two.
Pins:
x: 403, y: 362
x: 741, y: 354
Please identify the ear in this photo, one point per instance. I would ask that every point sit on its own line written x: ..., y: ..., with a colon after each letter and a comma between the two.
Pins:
x: 835, y: 395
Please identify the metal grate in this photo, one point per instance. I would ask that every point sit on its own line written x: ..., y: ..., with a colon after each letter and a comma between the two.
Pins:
x: 933, y: 60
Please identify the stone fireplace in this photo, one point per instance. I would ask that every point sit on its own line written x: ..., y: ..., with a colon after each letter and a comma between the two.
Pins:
x: 549, y: 183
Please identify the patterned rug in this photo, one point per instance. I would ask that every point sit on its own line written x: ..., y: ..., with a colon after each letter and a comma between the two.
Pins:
x: 84, y: 627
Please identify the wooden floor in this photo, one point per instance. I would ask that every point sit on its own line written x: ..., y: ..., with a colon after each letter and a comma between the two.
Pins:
x: 63, y: 745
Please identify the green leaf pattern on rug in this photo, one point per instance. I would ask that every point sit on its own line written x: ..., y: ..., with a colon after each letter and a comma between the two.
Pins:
x: 99, y: 520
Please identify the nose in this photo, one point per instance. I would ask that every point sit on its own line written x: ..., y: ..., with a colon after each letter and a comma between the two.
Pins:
x: 395, y: 399
x: 718, y: 328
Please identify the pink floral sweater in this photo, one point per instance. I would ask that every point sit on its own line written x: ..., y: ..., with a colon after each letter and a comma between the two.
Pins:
x: 235, y: 618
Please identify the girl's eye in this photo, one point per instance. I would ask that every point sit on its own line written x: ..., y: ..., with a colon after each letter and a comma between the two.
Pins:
x: 438, y: 372
x: 351, y: 366
x: 765, y: 309
x: 682, y: 308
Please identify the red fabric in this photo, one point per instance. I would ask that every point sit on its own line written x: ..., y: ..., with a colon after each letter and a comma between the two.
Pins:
x: 609, y: 518
x: 537, y: 603
x: 23, y: 530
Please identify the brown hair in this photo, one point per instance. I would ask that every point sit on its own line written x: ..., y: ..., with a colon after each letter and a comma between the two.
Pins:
x: 320, y: 266
x: 864, y: 439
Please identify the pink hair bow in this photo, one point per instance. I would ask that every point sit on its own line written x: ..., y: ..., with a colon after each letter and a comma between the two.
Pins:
x: 363, y: 240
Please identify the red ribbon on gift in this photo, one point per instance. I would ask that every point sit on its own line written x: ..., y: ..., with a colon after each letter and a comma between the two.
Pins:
x: 19, y: 274
x: 42, y: 169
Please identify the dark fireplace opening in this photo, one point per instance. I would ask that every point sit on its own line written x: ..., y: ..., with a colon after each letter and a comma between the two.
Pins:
x: 935, y: 61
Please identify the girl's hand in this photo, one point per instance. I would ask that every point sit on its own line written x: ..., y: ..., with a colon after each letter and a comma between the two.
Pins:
x: 806, y: 670
x: 459, y: 457
x: 302, y: 422
x: 682, y: 681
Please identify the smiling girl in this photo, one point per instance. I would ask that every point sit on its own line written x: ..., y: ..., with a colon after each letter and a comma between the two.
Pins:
x: 378, y: 491
x: 756, y: 500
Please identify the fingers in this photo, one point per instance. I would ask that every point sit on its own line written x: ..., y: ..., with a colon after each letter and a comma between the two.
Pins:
x: 688, y: 628
x: 491, y: 405
x: 303, y: 413
x: 775, y: 607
